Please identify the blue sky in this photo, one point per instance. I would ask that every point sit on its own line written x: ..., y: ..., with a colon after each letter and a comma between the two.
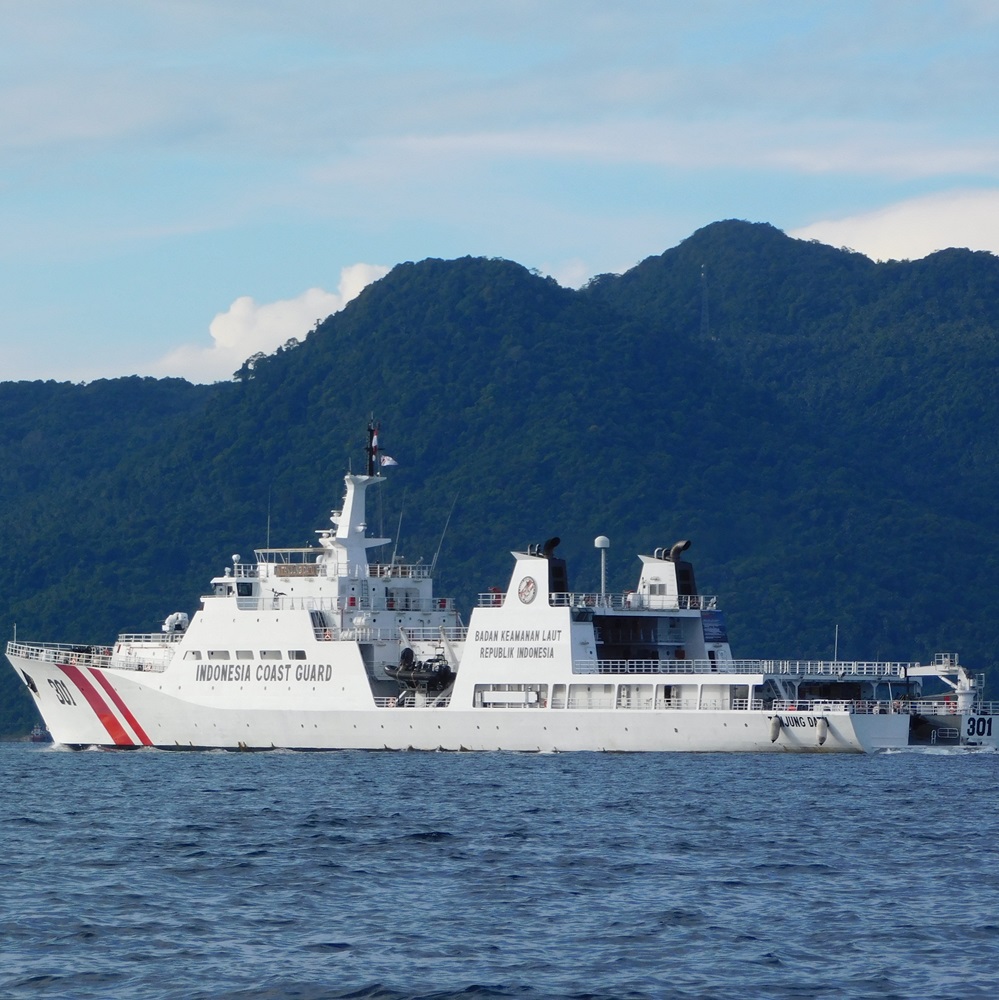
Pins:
x: 183, y: 184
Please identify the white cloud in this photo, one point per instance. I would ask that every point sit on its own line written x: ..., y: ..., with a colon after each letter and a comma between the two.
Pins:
x: 568, y: 273
x: 248, y: 327
x: 836, y: 150
x: 917, y: 227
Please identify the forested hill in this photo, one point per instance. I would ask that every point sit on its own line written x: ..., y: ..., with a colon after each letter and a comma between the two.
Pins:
x: 823, y: 427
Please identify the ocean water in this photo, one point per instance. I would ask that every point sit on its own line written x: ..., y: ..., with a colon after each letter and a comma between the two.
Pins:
x: 151, y: 874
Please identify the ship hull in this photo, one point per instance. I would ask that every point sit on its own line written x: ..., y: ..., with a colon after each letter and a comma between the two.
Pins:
x: 88, y: 706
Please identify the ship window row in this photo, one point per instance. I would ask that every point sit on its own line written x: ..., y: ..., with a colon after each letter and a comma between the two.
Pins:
x: 613, y: 696
x: 245, y: 654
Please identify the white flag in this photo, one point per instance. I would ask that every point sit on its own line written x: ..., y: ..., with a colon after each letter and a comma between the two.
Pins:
x: 388, y: 460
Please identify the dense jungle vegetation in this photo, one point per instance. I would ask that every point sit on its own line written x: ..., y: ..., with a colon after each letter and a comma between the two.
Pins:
x: 823, y: 427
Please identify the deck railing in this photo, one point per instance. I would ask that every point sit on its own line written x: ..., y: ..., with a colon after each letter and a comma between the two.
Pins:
x: 820, y: 706
x: 362, y: 633
x: 61, y: 652
x: 149, y: 638
x: 945, y: 734
x: 308, y: 559
x: 796, y: 668
x: 147, y: 658
x: 949, y: 707
x: 616, y: 602
x: 333, y: 605
x: 434, y: 701
x: 358, y: 633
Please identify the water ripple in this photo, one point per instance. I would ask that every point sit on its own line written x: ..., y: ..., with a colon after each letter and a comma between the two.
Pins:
x: 481, y: 876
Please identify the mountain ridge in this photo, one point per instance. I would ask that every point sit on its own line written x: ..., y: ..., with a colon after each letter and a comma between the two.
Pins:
x: 826, y: 437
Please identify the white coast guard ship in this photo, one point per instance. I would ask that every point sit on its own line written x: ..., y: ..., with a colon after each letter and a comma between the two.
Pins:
x: 318, y: 648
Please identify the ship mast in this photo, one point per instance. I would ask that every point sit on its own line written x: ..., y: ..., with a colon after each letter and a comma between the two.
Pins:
x: 372, y: 448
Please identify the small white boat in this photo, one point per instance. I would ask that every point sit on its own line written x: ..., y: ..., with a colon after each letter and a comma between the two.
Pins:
x: 320, y: 648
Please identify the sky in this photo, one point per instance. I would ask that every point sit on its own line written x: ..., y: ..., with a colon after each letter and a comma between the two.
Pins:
x: 184, y: 184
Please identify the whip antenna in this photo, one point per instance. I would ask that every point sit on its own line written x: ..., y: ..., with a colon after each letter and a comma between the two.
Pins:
x: 398, y: 532
x: 433, y: 565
